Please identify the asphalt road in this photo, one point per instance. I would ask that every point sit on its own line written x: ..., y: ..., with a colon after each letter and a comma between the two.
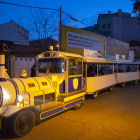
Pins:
x: 112, y: 116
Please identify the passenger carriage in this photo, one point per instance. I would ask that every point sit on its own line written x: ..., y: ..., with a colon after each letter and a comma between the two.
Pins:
x: 98, y: 74
x: 126, y: 71
x: 138, y: 67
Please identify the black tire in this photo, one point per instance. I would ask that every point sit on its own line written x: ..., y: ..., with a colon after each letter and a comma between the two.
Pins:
x: 77, y: 106
x: 110, y: 89
x: 22, y: 123
x: 135, y: 82
x: 123, y: 84
x: 94, y: 96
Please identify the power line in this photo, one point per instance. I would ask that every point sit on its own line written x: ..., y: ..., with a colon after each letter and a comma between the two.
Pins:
x: 44, y: 9
x: 75, y: 19
x: 28, y: 6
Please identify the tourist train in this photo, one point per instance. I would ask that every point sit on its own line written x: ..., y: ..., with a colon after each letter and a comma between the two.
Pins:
x: 61, y: 82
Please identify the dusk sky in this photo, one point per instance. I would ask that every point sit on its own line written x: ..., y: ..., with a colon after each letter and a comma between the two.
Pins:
x: 86, y: 11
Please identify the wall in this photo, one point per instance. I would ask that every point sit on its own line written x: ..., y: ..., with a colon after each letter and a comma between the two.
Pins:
x: 130, y: 29
x: 26, y: 51
x: 114, y: 47
x: 23, y: 64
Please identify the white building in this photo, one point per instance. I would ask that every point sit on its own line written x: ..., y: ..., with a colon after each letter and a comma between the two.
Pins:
x: 12, y: 31
x: 119, y: 25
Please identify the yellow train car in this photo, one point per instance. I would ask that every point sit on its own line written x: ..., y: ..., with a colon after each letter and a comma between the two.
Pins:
x: 27, y: 100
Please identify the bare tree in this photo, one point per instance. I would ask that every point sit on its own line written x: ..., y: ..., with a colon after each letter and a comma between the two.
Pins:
x: 42, y: 25
x: 136, y: 8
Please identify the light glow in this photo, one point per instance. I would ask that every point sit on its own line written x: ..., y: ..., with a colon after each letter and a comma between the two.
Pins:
x: 51, y: 48
x: 20, y: 98
x: 5, y: 94
x: 26, y: 102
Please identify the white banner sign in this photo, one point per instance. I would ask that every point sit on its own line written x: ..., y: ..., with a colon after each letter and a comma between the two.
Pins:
x: 82, y: 41
x: 91, y: 53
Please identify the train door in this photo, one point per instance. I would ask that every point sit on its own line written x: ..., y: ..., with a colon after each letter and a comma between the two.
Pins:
x: 75, y: 74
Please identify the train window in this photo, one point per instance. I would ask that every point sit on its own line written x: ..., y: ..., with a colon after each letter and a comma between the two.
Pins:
x: 105, y: 68
x: 44, y: 83
x: 31, y: 85
x: 75, y: 69
x: 134, y: 68
x: 130, y: 68
x: 120, y: 68
x: 38, y: 100
x: 55, y: 65
x: 115, y: 68
x: 127, y: 68
x: 91, y: 69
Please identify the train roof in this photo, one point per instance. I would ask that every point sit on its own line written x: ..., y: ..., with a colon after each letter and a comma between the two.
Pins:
x: 126, y: 62
x: 64, y: 53
x: 96, y: 59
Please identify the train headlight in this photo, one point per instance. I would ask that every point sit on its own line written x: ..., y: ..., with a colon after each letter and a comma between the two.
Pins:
x: 20, y: 98
x: 20, y: 101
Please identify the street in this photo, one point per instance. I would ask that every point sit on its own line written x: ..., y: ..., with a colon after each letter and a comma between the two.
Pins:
x: 112, y: 116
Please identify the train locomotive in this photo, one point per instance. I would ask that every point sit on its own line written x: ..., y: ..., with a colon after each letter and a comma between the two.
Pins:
x: 27, y: 100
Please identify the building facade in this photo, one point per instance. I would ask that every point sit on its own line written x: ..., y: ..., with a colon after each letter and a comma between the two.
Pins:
x: 135, y: 46
x: 45, y: 43
x: 119, y: 25
x: 12, y: 31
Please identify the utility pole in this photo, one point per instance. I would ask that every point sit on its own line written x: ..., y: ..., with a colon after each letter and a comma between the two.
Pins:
x: 60, y: 31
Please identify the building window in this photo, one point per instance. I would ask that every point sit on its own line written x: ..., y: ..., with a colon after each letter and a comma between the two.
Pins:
x: 104, y: 26
x: 109, y: 25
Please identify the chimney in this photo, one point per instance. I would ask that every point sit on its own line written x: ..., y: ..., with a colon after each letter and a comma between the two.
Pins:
x: 109, y: 13
x: 120, y: 12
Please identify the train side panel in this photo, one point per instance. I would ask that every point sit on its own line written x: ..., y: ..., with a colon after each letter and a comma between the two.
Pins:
x: 129, y: 76
x: 94, y: 84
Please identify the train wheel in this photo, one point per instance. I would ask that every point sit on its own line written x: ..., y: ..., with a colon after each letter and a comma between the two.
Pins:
x: 77, y: 106
x: 123, y: 84
x: 135, y: 82
x: 110, y: 89
x: 22, y: 123
x: 94, y: 95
